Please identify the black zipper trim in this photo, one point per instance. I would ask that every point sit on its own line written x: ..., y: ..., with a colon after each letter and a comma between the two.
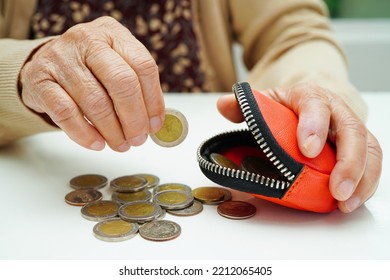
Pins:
x: 259, y: 135
x: 287, y: 166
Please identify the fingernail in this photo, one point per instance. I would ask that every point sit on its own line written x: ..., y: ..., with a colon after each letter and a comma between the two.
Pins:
x: 124, y: 147
x: 97, y: 146
x: 345, y: 189
x: 312, y: 145
x: 155, y: 124
x: 352, y: 203
x: 139, y: 140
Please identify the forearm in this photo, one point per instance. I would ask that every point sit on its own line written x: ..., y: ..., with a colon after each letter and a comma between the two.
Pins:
x: 16, y: 120
x: 317, y: 61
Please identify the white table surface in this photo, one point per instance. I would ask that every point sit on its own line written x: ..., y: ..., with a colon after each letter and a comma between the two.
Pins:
x: 36, y: 223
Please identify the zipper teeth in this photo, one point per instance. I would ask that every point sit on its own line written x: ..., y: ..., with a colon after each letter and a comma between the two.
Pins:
x: 239, y: 174
x: 244, y: 104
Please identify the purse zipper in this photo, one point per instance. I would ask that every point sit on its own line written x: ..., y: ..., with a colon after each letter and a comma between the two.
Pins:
x: 242, y: 96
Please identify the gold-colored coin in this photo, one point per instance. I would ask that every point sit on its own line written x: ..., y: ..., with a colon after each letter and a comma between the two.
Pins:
x: 88, y: 181
x: 152, y: 180
x: 139, y: 211
x: 115, y: 230
x: 260, y: 166
x: 100, y: 210
x: 209, y: 195
x: 172, y: 186
x: 123, y: 198
x: 173, y: 131
x: 82, y: 197
x: 174, y: 199
x: 130, y: 183
x: 223, y: 161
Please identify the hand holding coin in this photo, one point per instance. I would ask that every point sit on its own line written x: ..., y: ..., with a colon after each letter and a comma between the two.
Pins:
x: 173, y: 131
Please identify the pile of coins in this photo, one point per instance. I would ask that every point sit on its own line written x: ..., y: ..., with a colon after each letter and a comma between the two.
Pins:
x: 139, y: 204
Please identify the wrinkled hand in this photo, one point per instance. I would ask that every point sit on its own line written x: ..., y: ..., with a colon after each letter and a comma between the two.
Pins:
x: 324, y: 115
x: 98, y: 83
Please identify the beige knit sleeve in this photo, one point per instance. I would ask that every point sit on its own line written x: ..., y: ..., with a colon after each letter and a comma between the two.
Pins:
x: 16, y: 120
x: 287, y: 42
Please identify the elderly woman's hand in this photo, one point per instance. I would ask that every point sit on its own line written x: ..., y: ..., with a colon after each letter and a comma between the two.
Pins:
x: 98, y: 83
x: 324, y: 115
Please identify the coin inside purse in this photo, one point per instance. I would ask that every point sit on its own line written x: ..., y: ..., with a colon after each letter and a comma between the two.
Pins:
x: 265, y: 159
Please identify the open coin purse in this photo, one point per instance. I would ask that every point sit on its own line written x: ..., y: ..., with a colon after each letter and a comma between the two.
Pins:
x: 269, y: 164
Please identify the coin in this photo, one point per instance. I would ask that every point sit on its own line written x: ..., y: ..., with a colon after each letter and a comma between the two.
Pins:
x: 88, y: 181
x: 227, y: 196
x: 191, y: 210
x: 129, y: 183
x: 173, y: 131
x: 223, y: 161
x: 139, y: 211
x: 160, y: 230
x: 100, y: 210
x: 83, y: 196
x: 115, y: 230
x: 209, y: 195
x: 259, y: 166
x: 172, y: 186
x: 152, y: 180
x: 174, y: 199
x: 123, y: 198
x: 236, y: 210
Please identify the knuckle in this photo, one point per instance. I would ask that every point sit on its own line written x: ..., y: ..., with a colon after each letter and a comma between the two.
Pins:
x: 125, y: 85
x: 97, y: 106
x: 62, y: 111
x: 148, y: 67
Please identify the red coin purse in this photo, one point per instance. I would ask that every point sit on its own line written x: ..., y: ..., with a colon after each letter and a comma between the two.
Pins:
x: 282, y: 173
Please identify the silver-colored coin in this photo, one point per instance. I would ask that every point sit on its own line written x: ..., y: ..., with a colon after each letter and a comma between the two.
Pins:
x: 88, y: 181
x: 115, y: 230
x: 173, y: 199
x: 160, y: 230
x: 123, y: 198
x: 191, y: 210
x: 172, y: 186
x: 100, y: 210
x: 129, y: 183
x: 139, y: 211
x: 153, y: 180
x: 173, y: 131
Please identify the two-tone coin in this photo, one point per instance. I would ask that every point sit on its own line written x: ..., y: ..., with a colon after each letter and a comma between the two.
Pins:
x: 236, y: 210
x: 88, y: 181
x: 172, y: 186
x: 123, y: 198
x: 82, y: 197
x: 115, y: 230
x: 173, y: 131
x: 173, y: 199
x: 259, y: 166
x: 195, y: 208
x: 160, y: 230
x: 139, y: 211
x: 211, y: 195
x: 152, y: 180
x: 100, y: 210
x: 129, y: 183
x: 223, y: 161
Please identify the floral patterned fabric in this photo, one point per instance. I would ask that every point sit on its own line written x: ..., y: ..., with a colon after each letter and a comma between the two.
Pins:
x: 164, y: 27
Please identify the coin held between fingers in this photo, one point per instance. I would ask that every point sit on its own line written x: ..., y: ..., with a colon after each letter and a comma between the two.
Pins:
x: 173, y: 131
